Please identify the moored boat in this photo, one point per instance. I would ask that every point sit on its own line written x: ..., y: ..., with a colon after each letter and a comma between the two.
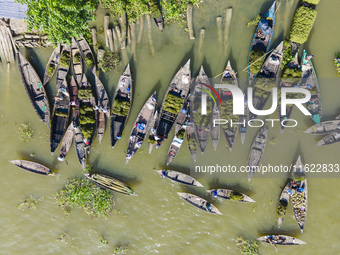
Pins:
x: 179, y: 177
x: 283, y: 204
x: 34, y: 89
x: 199, y: 202
x: 215, y: 130
x: 74, y: 102
x: 280, y: 240
x: 156, y: 13
x: 329, y: 139
x: 76, y: 61
x: 80, y: 146
x: 33, y: 167
x: 121, y: 106
x: 244, y: 119
x: 325, y: 127
x: 66, y: 142
x: 86, y: 54
x: 64, y: 64
x: 192, y: 140
x: 52, y: 64
x: 231, y: 195
x: 151, y: 139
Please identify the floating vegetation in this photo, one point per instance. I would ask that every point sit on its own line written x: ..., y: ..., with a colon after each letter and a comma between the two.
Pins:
x: 29, y: 203
x: 273, y: 141
x: 337, y: 63
x: 87, y: 117
x: 235, y: 196
x: 121, y: 107
x: 65, y: 238
x: 88, y: 168
x: 65, y: 59
x: 120, y: 250
x: 85, y: 194
x: 173, y: 103
x: 246, y: 247
x: 282, y: 208
x: 254, y: 22
x: 26, y: 132
x: 303, y: 22
x: 110, y: 61
x: 103, y: 241
x: 256, y: 60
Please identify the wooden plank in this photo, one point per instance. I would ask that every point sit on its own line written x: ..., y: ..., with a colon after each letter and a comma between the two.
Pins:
x: 190, y: 24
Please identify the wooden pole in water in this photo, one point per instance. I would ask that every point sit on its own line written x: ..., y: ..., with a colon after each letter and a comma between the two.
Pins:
x: 148, y: 18
x: 129, y: 34
x: 229, y: 14
x: 110, y: 38
x: 124, y: 31
x: 115, y: 40
x: 119, y: 34
x: 219, y: 29
x: 201, y: 40
x: 94, y: 37
x: 133, y: 40
x: 141, y: 27
x: 106, y: 27
x: 190, y: 24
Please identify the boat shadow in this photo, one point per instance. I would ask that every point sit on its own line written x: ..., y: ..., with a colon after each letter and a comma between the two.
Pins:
x: 217, y: 184
x: 25, y: 156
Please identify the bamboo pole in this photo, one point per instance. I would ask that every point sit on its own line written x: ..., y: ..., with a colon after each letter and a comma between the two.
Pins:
x: 94, y: 37
x: 219, y: 29
x: 124, y: 31
x: 106, y: 27
x: 109, y: 36
x: 133, y: 39
x: 148, y: 18
x: 141, y: 28
x: 229, y: 14
x: 115, y: 40
x: 190, y: 23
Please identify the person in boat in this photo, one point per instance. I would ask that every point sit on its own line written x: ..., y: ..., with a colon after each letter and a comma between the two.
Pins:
x: 214, y: 193
x: 61, y: 158
x: 208, y: 207
x: 164, y: 173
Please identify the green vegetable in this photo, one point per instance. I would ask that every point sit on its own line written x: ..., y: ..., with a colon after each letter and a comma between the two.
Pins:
x: 151, y: 140
x: 173, y: 103
x: 65, y: 59
x: 313, y: 2
x: 180, y: 133
x: 336, y: 63
x: 303, y: 22
x: 110, y: 61
x: 235, y: 196
x: 256, y: 60
x: 89, y: 60
x: 282, y: 208
x: 77, y: 58
x: 255, y: 21
x: 61, y: 113
x: 121, y: 107
x: 26, y: 132
x: 154, y: 8
x: 85, y: 93
x: 192, y: 144
x: 50, y: 70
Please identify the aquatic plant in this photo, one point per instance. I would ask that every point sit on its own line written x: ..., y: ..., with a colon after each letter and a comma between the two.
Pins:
x: 192, y: 144
x: 121, y: 107
x: 61, y: 113
x: 85, y: 93
x: 313, y: 2
x: 235, y: 196
x: 29, y: 203
x: 88, y: 168
x: 286, y: 54
x: 120, y: 250
x: 87, y: 118
x: 100, y: 30
x: 66, y: 239
x: 302, y: 25
x: 151, y: 140
x: 103, y: 241
x: 246, y: 247
x: 85, y: 194
x: 110, y: 61
x: 77, y: 58
x: 155, y: 9
x: 255, y: 21
x: 50, y: 69
x: 26, y: 132
x: 273, y: 141
x: 180, y: 133
x: 173, y: 103
x: 337, y: 63
x: 89, y: 60
x: 256, y: 60
x: 282, y: 208
x: 65, y: 59
x: 298, y: 178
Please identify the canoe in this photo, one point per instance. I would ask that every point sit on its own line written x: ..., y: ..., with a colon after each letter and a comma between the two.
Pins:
x: 280, y: 240
x: 100, y: 126
x: 299, y: 193
x: 266, y: 79
x: 229, y: 131
x: 141, y: 127
x: 66, y: 142
x: 151, y: 139
x: 63, y: 66
x: 80, y: 146
x: 179, y: 177
x: 231, y: 195
x: 257, y: 150
x: 262, y: 37
x: 172, y: 103
x: 111, y: 183
x: 325, y: 127
x: 32, y: 167
x: 121, y: 106
x: 60, y: 116
x: 74, y: 101
x: 244, y: 119
x: 34, y: 89
x: 215, y: 130
x: 283, y: 204
x: 52, y: 64
x: 192, y: 140
x: 310, y: 81
x: 76, y: 61
x: 288, y: 82
x: 87, y: 115
x: 86, y: 54
x: 329, y: 139
x: 199, y: 202
x: 202, y: 123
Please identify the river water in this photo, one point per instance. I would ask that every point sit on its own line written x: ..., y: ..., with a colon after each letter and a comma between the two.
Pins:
x: 158, y: 221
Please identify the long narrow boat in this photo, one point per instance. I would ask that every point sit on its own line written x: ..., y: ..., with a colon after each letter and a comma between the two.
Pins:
x: 257, y: 150
x: 231, y: 195
x: 141, y: 127
x: 172, y: 103
x: 325, y: 127
x: 310, y: 81
x: 80, y: 146
x: 179, y: 177
x: 283, y: 204
x: 52, y: 64
x: 192, y: 140
x: 34, y: 89
x: 151, y: 139
x: 265, y: 81
x: 244, y: 119
x: 77, y: 63
x: 86, y: 53
x: 229, y: 130
x: 111, y: 183
x: 262, y: 39
x: 121, y: 106
x: 203, y: 123
x: 215, y: 130
x: 299, y: 193
x: 74, y: 101
x: 199, y: 202
x: 280, y: 240
x: 329, y: 139
x: 100, y: 126
x: 64, y: 64
x: 32, y: 167
x: 289, y: 80
x: 60, y: 116
x: 66, y: 142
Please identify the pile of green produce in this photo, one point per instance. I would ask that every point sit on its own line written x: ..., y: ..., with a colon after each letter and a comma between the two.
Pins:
x: 180, y: 134
x: 313, y: 2
x: 256, y: 60
x: 85, y: 93
x: 77, y: 58
x: 255, y: 21
x: 50, y: 70
x: 87, y: 119
x: 61, y: 113
x: 303, y: 22
x: 110, y: 61
x: 192, y: 143
x: 337, y: 63
x: 298, y: 200
x: 199, y: 119
x: 246, y: 247
x: 121, y: 107
x: 155, y: 9
x: 151, y: 140
x: 227, y: 114
x: 89, y: 60
x: 235, y: 196
x: 282, y: 208
x: 173, y: 103
x: 65, y: 59
x: 291, y: 75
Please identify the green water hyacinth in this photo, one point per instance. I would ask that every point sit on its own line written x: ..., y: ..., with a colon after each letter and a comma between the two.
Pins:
x: 302, y: 25
x: 246, y: 247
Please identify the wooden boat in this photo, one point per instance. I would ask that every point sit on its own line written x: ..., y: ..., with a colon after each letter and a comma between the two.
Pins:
x: 299, y: 193
x: 192, y: 140
x: 32, y: 167
x: 280, y: 240
x: 156, y: 13
x: 111, y: 183
x: 325, y: 127
x: 80, y: 146
x: 77, y: 63
x: 179, y: 177
x: 86, y: 53
x: 172, y: 103
x: 262, y: 37
x: 310, y: 81
x: 244, y: 119
x: 66, y: 142
x: 151, y: 140
x: 34, y: 89
x: 215, y: 130
x: 231, y: 195
x: 121, y: 106
x: 60, y: 116
x: 257, y: 150
x: 64, y: 64
x: 203, y: 123
x: 266, y: 79
x: 329, y: 139
x: 283, y: 204
x: 141, y: 127
x: 288, y: 83
x: 74, y: 101
x: 52, y: 64
x: 229, y: 130
x: 199, y: 202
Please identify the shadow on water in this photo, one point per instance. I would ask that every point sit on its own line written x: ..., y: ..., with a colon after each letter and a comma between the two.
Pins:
x: 217, y: 184
x: 37, y: 159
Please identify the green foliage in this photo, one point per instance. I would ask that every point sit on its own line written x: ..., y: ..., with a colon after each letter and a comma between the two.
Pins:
x: 246, y: 247
x: 337, y: 63
x: 287, y: 54
x: 313, y: 2
x: 298, y: 178
x: 120, y: 250
x: 87, y: 120
x: 254, y: 21
x: 258, y: 56
x: 65, y: 59
x: 121, y: 107
x: 192, y: 144
x: 273, y: 141
x: 77, y: 58
x: 85, y: 93
x: 180, y: 133
x: 26, y: 132
x: 50, y: 70
x: 235, y: 196
x: 291, y: 75
x: 88, y: 168
x: 298, y: 200
x: 103, y: 241
x: 151, y: 140
x: 154, y: 8
x: 66, y: 239
x: 173, y: 103
x: 303, y: 22
x: 60, y: 19
x: 110, y: 61
x: 89, y: 60
x: 29, y: 203
x: 85, y: 194
x: 282, y: 208
x: 60, y: 113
